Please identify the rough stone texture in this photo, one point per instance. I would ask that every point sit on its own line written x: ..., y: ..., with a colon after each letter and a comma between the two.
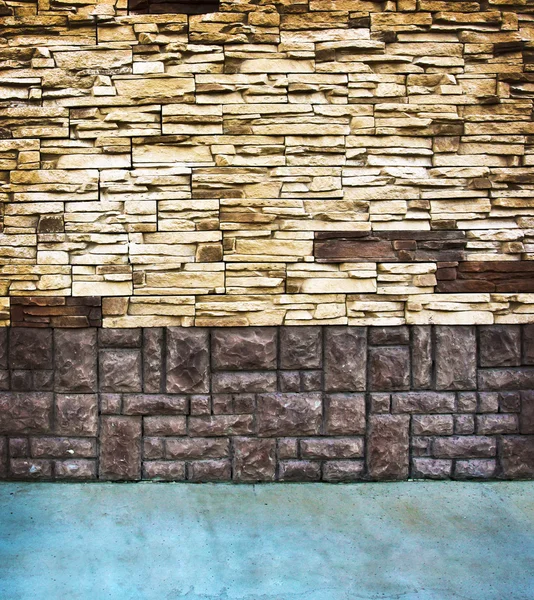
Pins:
x: 25, y: 412
x: 278, y: 422
x: 254, y: 459
x: 30, y: 348
x: 455, y: 358
x: 500, y: 345
x: 76, y: 414
x: 120, y: 448
x: 389, y: 368
x: 187, y: 360
x: 387, y: 447
x: 289, y: 414
x: 345, y: 414
x: 245, y: 349
x: 75, y: 360
x: 345, y: 359
x: 120, y: 370
x: 301, y: 348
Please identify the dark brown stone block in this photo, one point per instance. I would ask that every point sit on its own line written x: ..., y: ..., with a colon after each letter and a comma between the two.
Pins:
x: 153, y: 359
x: 110, y: 404
x: 29, y: 412
x: 197, y: 448
x: 431, y: 468
x: 422, y: 357
x: 77, y: 469
x: 221, y: 425
x: 496, y: 424
x: 526, y: 417
x: 345, y: 414
x: 119, y: 338
x: 22, y: 468
x: 120, y: 371
x: 187, y: 360
x: 517, y: 457
x: 345, y: 359
x: 153, y: 448
x: 528, y: 344
x: 432, y: 425
x: 423, y: 402
x: 120, y: 448
x: 154, y: 404
x: 164, y: 470
x: 164, y: 426
x: 389, y: 368
x: 244, y: 348
x: 289, y: 414
x: 389, y: 336
x: 244, y: 382
x: 327, y: 448
x: 62, y: 447
x: 521, y: 378
x: 19, y: 447
x: 476, y: 468
x: 456, y: 367
x: 464, y: 446
x: 75, y: 360
x: 76, y: 414
x: 301, y: 347
x: 337, y: 471
x: 299, y: 470
x: 3, y: 457
x: 254, y: 459
x: 30, y: 348
x: 288, y: 448
x: 210, y: 470
x: 3, y: 348
x: 500, y: 345
x: 388, y: 446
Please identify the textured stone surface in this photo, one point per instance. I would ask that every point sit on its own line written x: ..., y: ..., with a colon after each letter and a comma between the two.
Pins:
x: 517, y: 458
x: 289, y: 414
x: 301, y: 348
x: 345, y: 359
x: 275, y: 423
x: 387, y: 446
x: 345, y: 414
x: 254, y: 459
x: 75, y: 360
x: 120, y: 448
x: 76, y: 414
x: 30, y: 348
x: 25, y: 412
x: 244, y: 349
x: 500, y: 346
x: 389, y: 368
x: 187, y: 360
x: 120, y: 370
x: 455, y: 358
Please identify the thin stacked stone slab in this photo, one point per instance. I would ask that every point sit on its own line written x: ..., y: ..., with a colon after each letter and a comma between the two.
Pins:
x: 234, y: 163
x: 267, y: 404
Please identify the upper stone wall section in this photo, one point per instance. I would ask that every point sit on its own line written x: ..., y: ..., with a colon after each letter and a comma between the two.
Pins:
x: 276, y: 162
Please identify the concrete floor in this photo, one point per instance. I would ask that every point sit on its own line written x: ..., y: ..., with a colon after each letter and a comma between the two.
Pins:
x: 405, y: 541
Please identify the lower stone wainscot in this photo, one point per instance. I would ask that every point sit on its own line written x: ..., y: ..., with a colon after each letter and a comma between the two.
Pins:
x: 267, y: 404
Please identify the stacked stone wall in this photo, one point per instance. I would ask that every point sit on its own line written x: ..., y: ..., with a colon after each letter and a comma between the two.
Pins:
x: 268, y: 404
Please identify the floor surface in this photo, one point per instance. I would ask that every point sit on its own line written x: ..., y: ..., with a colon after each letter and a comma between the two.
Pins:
x: 402, y: 541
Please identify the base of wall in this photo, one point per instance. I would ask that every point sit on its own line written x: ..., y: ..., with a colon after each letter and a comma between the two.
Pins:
x: 267, y: 404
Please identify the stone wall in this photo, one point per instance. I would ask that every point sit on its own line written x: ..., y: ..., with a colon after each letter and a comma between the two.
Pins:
x: 252, y: 404
x: 276, y: 162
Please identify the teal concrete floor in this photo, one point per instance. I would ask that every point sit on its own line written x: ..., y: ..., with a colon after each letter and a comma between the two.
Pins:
x: 404, y: 541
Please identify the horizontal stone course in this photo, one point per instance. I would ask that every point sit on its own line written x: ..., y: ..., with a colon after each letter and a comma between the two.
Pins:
x: 458, y: 404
